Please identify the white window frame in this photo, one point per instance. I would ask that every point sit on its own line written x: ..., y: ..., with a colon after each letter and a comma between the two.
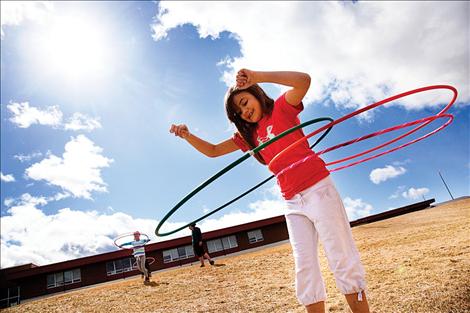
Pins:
x: 59, y: 278
x: 255, y: 236
x: 173, y: 255
x: 215, y: 245
x: 231, y: 242
x: 221, y: 244
x: 124, y: 268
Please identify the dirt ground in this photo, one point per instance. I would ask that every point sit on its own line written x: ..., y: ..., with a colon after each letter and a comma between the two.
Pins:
x: 419, y: 262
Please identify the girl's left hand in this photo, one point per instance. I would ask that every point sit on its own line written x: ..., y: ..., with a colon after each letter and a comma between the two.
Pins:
x: 245, y: 78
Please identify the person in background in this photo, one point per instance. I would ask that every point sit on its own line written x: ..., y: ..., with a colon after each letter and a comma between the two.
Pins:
x: 198, y: 245
x: 139, y: 255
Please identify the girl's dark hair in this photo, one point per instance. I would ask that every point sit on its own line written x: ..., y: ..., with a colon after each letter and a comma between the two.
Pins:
x: 245, y: 128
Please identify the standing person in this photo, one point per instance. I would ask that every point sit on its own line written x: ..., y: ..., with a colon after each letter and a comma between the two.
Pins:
x: 314, y: 208
x: 198, y: 245
x: 139, y: 255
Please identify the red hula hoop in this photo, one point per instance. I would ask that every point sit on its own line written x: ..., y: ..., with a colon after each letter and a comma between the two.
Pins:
x: 451, y: 118
x: 424, y: 121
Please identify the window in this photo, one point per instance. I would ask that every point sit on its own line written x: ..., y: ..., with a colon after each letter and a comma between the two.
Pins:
x: 176, y: 254
x: 64, y: 278
x: 9, y: 296
x: 229, y: 242
x: 255, y: 236
x: 220, y: 244
x: 214, y: 245
x: 119, y: 266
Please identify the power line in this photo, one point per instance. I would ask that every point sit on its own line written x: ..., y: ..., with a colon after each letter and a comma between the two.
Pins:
x: 446, y: 185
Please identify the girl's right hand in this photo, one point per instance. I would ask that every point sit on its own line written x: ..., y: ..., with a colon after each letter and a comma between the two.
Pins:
x: 245, y: 78
x: 180, y: 130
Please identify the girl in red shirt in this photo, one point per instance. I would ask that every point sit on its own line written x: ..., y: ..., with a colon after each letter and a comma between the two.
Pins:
x: 314, y: 208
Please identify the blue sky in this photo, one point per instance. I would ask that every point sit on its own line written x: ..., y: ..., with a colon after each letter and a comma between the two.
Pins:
x: 90, y: 89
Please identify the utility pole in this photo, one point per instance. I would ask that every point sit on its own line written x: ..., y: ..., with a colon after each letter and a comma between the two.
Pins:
x: 445, y: 185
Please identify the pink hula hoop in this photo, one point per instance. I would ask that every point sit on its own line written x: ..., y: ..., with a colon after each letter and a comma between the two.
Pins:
x: 423, y: 121
x: 431, y: 118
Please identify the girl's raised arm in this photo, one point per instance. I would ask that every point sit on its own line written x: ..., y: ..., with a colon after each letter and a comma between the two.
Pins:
x: 206, y: 148
x: 300, y: 82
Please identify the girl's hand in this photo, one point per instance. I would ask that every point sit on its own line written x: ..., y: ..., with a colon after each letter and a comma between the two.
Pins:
x: 180, y: 130
x: 245, y: 78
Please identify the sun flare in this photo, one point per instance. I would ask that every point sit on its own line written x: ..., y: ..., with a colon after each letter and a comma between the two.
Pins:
x: 76, y: 48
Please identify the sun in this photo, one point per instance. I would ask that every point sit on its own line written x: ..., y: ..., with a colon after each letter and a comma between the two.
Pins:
x: 76, y: 48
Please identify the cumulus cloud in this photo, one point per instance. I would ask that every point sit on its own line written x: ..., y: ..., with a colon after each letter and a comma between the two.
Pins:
x: 356, y: 208
x: 78, y: 171
x: 27, y: 157
x: 7, y: 178
x: 24, y: 115
x: 15, y: 12
x: 415, y: 193
x: 30, y: 235
x: 379, y: 175
x: 398, y: 192
x: 356, y: 52
x: 80, y: 121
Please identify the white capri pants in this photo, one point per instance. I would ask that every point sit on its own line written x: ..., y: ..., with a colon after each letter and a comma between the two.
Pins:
x: 318, y: 213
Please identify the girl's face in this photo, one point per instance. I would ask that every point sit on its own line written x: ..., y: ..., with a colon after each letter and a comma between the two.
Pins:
x: 248, y: 107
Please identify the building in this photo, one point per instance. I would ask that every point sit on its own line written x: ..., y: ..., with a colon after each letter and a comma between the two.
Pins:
x: 29, y: 281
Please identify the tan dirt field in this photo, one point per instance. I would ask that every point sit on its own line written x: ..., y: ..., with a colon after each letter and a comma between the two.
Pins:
x: 418, y: 262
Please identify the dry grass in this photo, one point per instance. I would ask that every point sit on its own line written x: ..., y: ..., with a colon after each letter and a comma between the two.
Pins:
x: 419, y: 262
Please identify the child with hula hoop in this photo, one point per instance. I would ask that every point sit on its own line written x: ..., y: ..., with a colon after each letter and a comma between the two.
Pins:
x: 139, y: 255
x: 314, y: 207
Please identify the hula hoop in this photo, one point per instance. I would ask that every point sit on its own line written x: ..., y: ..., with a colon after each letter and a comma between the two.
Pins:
x: 126, y: 245
x: 152, y: 260
x: 432, y: 118
x: 426, y: 120
x: 367, y: 108
x: 232, y: 165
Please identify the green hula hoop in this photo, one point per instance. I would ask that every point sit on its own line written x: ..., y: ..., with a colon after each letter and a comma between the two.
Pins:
x: 228, y: 168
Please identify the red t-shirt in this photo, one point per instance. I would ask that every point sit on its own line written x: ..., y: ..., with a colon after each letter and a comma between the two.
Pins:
x: 292, y: 179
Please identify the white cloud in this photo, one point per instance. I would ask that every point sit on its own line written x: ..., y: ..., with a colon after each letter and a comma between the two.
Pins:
x: 415, y: 193
x: 25, y: 116
x: 15, y: 12
x: 379, y: 175
x: 27, y: 157
x: 30, y: 235
x: 356, y: 53
x: 356, y: 208
x: 397, y: 193
x: 8, y: 201
x: 7, y: 178
x: 77, y: 172
x: 80, y: 121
